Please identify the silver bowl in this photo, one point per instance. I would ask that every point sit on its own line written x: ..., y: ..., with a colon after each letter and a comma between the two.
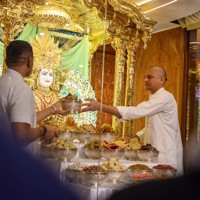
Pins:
x: 139, y: 176
x: 77, y: 137
x: 64, y: 154
x: 46, y: 151
x: 164, y: 173
x: 115, y: 176
x: 72, y: 175
x: 109, y: 137
x: 93, y: 178
x: 131, y: 154
x: 73, y: 105
x: 94, y: 153
x: 72, y: 172
x: 112, y: 153
x: 147, y: 155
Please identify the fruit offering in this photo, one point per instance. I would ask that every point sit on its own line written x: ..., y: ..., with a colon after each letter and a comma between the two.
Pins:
x: 116, y: 144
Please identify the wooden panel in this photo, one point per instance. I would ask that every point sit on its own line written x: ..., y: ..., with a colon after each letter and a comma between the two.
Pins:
x: 96, y: 79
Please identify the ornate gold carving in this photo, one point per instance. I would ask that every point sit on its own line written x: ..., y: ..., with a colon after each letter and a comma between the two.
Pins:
x: 130, y: 75
x: 120, y: 15
x: 51, y: 17
x: 82, y: 20
x: 13, y: 15
x: 119, y: 45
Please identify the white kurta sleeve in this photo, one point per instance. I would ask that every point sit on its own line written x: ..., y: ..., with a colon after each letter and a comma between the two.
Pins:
x: 154, y: 105
x: 140, y: 134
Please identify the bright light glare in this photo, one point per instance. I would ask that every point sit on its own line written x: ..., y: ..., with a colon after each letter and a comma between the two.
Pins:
x: 143, y: 2
x: 160, y: 6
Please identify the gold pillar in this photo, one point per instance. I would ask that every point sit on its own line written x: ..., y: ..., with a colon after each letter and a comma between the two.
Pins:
x: 12, y: 22
x: 119, y: 87
x: 90, y: 57
x: 130, y: 75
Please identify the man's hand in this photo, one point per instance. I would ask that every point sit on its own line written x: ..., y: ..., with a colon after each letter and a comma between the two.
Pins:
x: 59, y: 110
x: 91, y: 105
x: 50, y: 133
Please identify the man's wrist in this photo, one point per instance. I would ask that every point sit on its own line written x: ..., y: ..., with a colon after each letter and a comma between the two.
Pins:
x: 54, y: 109
x: 44, y: 130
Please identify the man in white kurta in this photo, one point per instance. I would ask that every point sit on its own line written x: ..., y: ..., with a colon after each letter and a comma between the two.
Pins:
x: 161, y: 127
x: 162, y: 124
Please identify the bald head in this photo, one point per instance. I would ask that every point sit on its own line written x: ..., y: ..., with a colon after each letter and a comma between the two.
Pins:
x: 155, y: 78
x: 161, y: 72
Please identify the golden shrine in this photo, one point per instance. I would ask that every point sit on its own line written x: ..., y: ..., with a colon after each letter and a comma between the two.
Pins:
x: 117, y: 22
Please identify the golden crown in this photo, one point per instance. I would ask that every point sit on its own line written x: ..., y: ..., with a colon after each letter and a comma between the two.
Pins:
x: 46, y: 52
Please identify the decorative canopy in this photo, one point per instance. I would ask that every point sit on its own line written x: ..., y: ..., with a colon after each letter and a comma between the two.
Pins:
x: 91, y: 17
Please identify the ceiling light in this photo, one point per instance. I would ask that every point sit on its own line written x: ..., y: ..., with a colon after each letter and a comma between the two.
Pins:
x: 143, y: 2
x: 161, y: 6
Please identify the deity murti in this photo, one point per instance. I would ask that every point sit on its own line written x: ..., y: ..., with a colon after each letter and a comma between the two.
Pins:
x: 44, y: 95
x: 46, y: 60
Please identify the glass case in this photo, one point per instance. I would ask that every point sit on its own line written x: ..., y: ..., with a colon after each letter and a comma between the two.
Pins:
x: 193, y: 88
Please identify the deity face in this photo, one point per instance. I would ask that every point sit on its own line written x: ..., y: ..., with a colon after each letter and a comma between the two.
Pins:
x: 46, y: 77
